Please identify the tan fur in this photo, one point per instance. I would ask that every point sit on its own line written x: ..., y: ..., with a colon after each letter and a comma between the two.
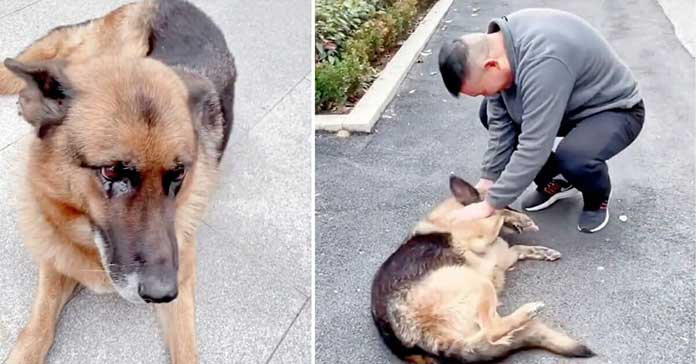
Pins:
x: 123, y: 32
x: 453, y: 309
x: 59, y: 198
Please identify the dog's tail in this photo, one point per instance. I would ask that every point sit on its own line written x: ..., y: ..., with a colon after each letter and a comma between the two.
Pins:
x: 538, y: 335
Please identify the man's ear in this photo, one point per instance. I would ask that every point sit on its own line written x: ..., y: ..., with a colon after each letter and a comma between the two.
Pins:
x: 490, y: 63
x: 463, y: 191
x: 44, y: 100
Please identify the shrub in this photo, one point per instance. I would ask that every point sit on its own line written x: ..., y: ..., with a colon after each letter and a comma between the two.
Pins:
x: 345, y: 70
x: 334, y: 83
x: 335, y: 21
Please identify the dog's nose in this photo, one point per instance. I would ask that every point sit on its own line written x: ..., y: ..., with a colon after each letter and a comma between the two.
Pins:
x: 158, y: 290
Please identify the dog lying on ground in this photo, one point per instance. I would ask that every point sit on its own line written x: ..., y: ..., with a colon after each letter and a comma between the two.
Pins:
x: 435, y: 299
x: 132, y: 113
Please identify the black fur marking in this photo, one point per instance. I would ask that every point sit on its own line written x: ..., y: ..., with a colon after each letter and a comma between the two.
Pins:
x: 147, y: 108
x: 184, y: 37
x: 582, y: 351
x: 45, y: 131
x: 150, y: 44
x: 418, y: 256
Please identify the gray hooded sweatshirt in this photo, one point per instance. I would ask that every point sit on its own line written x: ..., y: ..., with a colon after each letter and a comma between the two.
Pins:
x: 563, y: 70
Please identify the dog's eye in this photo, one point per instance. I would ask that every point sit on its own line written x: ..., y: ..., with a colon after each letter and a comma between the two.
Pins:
x: 178, y: 174
x: 118, y: 179
x: 172, y: 180
x: 112, y: 173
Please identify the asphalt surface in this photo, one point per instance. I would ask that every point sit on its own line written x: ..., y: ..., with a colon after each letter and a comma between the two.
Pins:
x: 627, y: 291
x: 253, y: 292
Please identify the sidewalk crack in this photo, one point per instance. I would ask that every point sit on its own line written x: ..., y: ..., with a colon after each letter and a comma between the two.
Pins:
x: 285, y: 334
x: 20, y: 9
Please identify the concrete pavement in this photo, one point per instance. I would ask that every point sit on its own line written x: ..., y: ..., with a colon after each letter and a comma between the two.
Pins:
x: 627, y: 291
x: 253, y: 293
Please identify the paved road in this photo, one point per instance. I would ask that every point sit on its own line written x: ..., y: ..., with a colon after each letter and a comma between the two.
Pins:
x: 254, y: 250
x: 627, y: 291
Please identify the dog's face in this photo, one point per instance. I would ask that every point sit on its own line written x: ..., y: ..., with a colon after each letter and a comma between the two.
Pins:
x: 438, y: 220
x: 463, y: 194
x: 118, y: 139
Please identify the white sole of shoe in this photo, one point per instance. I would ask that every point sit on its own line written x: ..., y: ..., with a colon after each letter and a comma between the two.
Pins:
x: 598, y: 228
x: 604, y: 223
x: 559, y: 196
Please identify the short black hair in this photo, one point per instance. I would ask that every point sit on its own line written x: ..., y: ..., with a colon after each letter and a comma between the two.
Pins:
x: 454, y: 56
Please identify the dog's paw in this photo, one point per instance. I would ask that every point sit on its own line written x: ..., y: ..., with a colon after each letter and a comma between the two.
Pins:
x: 520, y: 222
x: 549, y: 254
x: 504, y: 341
x: 533, y: 308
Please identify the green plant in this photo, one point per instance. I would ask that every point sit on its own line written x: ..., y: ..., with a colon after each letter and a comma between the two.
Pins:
x: 335, y: 83
x: 404, y: 14
x: 336, y: 21
x: 346, y: 54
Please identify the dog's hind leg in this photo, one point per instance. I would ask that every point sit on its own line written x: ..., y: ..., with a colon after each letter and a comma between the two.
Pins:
x: 535, y: 252
x: 537, y: 335
x: 498, y: 330
x: 34, y: 341
x: 178, y: 317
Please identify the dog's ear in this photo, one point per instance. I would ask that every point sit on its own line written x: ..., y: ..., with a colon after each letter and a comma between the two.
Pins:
x: 463, y: 191
x: 44, y: 100
x: 203, y: 101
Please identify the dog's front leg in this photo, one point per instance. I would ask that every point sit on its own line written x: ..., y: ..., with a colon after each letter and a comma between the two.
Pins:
x: 178, y: 316
x: 34, y: 341
x: 518, y: 221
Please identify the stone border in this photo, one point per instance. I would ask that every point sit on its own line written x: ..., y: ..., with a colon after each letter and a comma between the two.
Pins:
x: 370, y: 107
x: 680, y: 14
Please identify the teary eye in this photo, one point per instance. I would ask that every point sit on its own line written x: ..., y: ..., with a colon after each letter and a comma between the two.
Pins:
x: 118, y: 179
x: 172, y: 179
x: 112, y: 173
x: 178, y: 173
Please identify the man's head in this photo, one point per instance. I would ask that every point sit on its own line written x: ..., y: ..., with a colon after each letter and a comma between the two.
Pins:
x: 475, y: 64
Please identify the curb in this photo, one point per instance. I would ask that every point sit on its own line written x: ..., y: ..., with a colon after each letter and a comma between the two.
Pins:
x: 680, y: 14
x: 367, y: 111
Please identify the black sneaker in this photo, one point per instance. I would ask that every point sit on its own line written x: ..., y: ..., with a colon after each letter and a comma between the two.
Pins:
x: 592, y: 221
x: 542, y: 198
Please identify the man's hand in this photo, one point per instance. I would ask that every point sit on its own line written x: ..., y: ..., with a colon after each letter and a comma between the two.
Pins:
x: 483, y: 186
x: 474, y: 211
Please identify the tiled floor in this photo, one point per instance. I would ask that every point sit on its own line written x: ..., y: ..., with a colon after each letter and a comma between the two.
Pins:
x: 253, y: 278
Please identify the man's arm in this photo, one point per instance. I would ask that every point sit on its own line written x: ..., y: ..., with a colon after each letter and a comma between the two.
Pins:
x: 545, y: 92
x: 501, y: 139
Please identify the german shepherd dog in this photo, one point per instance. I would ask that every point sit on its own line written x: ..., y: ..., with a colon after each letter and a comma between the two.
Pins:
x: 435, y: 299
x: 132, y: 112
